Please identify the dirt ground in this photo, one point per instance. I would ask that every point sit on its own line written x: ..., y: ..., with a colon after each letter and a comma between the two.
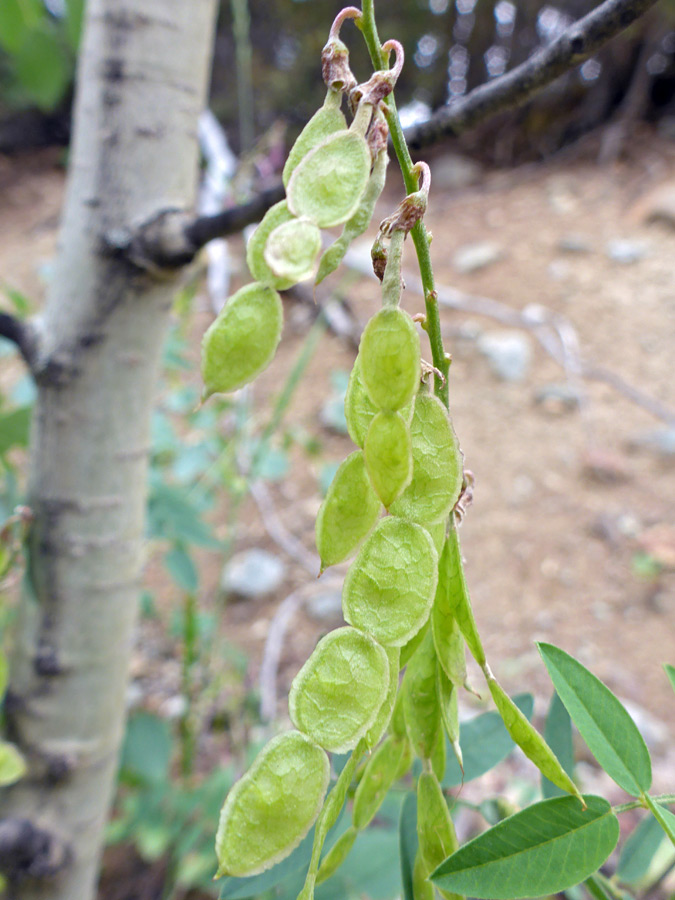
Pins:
x: 567, y: 499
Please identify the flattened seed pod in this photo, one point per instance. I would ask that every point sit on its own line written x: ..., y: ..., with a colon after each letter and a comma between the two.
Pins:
x: 325, y: 121
x: 388, y: 455
x: 337, y: 694
x: 292, y: 249
x: 242, y: 340
x: 390, y: 359
x: 448, y: 638
x: 358, y: 223
x: 349, y: 511
x: 276, y: 215
x: 437, y: 465
x: 328, y: 183
x: 380, y: 725
x: 272, y: 807
x: 390, y: 587
x: 435, y: 831
x: 420, y: 701
x: 382, y: 770
x: 359, y: 408
x: 437, y: 532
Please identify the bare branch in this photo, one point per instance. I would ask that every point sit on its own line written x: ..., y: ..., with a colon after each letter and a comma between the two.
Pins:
x: 23, y: 334
x: 575, y: 45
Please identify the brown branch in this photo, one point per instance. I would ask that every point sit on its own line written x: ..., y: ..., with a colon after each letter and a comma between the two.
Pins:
x: 23, y: 334
x: 575, y: 45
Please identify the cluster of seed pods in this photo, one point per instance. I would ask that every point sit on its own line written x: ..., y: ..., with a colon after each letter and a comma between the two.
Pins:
x: 390, y: 506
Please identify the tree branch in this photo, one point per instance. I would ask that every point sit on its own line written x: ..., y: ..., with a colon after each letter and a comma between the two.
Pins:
x: 23, y: 334
x: 575, y: 45
x: 173, y: 239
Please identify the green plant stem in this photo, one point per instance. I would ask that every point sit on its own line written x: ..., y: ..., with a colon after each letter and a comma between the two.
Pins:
x: 190, y: 654
x: 638, y: 804
x: 420, y: 235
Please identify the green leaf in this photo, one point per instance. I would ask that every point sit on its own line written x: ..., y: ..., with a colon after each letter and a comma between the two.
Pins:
x: 670, y: 672
x: 12, y: 764
x: 43, y: 67
x: 485, y: 742
x: 603, y: 722
x: 408, y: 843
x: 542, y: 850
x: 596, y: 889
x: 14, y: 429
x: 16, y: 21
x: 74, y: 21
x: 180, y: 566
x: 4, y: 673
x: 639, y: 850
x: 663, y: 816
x: 146, y: 751
x: 558, y: 735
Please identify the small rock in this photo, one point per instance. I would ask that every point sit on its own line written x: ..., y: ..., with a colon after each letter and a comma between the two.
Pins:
x: 252, y: 573
x: 326, y: 607
x: 452, y: 172
x: 660, y: 441
x: 509, y: 353
x: 556, y: 398
x: 559, y: 270
x: 575, y: 243
x: 472, y: 257
x: 604, y: 467
x: 658, y: 205
x: 626, y: 252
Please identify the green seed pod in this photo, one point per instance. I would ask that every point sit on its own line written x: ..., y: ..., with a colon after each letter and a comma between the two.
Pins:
x: 336, y: 855
x: 529, y: 740
x: 420, y: 701
x: 439, y: 752
x: 359, y: 222
x: 349, y: 511
x: 242, y: 340
x: 292, y: 249
x: 397, y: 721
x: 452, y: 604
x: 359, y: 408
x: 388, y: 455
x: 423, y: 889
x: 435, y: 831
x: 437, y: 465
x: 374, y: 735
x: 337, y: 694
x: 276, y: 215
x: 392, y: 283
x: 382, y: 770
x: 390, y: 359
x: 408, y: 649
x: 326, y: 121
x: 328, y: 183
x: 447, y: 696
x: 390, y: 587
x: 437, y: 532
x: 448, y: 638
x: 272, y: 807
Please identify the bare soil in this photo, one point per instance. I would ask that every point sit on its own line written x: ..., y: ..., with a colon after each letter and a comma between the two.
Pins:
x: 565, y: 502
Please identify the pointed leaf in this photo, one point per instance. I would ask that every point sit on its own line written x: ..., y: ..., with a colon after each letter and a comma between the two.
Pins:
x: 12, y: 764
x: 602, y: 720
x: 558, y: 735
x: 670, y: 672
x: 546, y: 848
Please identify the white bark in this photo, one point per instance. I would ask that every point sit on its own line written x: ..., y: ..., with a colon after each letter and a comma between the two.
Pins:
x: 142, y: 85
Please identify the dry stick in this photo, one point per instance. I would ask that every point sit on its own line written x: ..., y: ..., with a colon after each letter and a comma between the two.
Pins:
x: 278, y: 531
x: 177, y: 237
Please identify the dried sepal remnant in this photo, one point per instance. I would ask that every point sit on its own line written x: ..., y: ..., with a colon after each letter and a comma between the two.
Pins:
x: 328, y: 183
x: 390, y: 359
x: 437, y: 465
x: 390, y: 587
x: 348, y: 513
x: 242, y: 340
x: 336, y: 696
x: 272, y: 807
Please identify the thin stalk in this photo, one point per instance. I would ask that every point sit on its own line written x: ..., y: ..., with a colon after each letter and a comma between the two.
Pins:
x: 187, y: 730
x: 638, y: 804
x: 243, y: 52
x: 420, y: 235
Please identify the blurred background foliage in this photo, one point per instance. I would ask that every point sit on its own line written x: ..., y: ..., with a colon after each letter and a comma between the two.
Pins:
x: 271, y: 48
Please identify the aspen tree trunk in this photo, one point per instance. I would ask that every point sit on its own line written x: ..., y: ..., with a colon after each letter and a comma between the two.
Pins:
x: 141, y: 86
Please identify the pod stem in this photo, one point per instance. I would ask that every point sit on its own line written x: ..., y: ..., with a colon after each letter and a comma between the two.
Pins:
x: 420, y: 236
